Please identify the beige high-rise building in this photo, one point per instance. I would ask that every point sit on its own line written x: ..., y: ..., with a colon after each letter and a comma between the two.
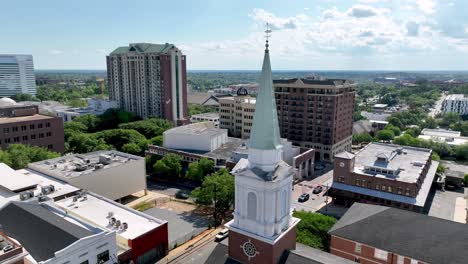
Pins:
x: 149, y: 80
x: 236, y: 115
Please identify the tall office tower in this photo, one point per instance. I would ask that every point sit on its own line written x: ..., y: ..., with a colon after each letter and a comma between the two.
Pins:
x: 236, y: 113
x: 316, y: 114
x: 17, y: 75
x: 149, y: 80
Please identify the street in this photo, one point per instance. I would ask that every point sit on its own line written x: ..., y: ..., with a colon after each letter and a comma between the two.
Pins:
x: 437, y: 106
x: 316, y: 201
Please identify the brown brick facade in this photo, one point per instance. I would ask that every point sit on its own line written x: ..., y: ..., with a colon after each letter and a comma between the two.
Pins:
x: 364, y: 254
x: 267, y: 253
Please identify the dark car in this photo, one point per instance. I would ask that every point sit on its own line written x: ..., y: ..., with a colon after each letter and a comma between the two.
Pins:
x: 182, y: 195
x: 318, y: 189
x: 304, y: 197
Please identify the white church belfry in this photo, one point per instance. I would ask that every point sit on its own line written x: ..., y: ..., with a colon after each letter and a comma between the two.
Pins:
x: 263, y: 182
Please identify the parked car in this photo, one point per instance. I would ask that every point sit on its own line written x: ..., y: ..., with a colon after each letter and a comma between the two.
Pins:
x: 319, y: 167
x: 303, y: 198
x: 222, y: 234
x: 182, y: 195
x: 317, y: 189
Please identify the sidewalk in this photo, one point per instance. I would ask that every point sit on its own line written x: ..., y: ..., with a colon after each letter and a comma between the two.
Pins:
x: 460, y: 209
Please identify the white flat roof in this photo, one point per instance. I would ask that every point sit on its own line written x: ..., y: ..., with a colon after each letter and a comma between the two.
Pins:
x: 14, y: 181
x: 61, y: 188
x: 95, y: 209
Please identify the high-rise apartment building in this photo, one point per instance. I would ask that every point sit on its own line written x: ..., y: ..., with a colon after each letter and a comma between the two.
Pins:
x: 16, y: 75
x: 316, y: 114
x: 457, y: 103
x: 236, y: 115
x: 149, y: 80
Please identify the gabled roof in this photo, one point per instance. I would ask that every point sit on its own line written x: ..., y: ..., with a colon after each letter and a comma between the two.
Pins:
x: 38, y: 230
x: 143, y: 48
x: 418, y: 236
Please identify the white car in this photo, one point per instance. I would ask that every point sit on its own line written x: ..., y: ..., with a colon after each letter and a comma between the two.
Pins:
x: 222, y: 234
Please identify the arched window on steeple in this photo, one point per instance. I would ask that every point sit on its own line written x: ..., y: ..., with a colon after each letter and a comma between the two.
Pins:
x: 252, y: 206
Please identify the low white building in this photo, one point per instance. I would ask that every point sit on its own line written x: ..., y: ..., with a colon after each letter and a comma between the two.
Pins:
x: 112, y: 174
x: 456, y: 103
x: 202, y: 136
x: 206, y: 117
x: 450, y: 137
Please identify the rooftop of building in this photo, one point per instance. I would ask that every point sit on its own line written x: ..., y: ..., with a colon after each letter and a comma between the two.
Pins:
x: 143, y: 48
x: 375, y: 116
x: 6, y: 244
x: 206, y: 115
x: 456, y: 97
x: 100, y: 211
x: 315, y: 82
x: 440, y: 132
x: 425, y: 238
x: 75, y: 165
x: 39, y: 230
x: 241, y: 99
x: 5, y: 102
x: 380, y: 106
x: 202, y: 128
x: 400, y: 163
x: 17, y: 119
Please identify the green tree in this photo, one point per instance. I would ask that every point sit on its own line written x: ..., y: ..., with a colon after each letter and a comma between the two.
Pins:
x: 84, y: 143
x: 199, y: 169
x: 119, y: 137
x: 461, y: 152
x: 157, y: 140
x: 413, y: 131
x: 150, y: 128
x: 362, y: 138
x: 21, y: 97
x: 216, y: 189
x: 169, y: 165
x: 435, y: 156
x: 396, y: 130
x: 75, y: 126
x: 90, y: 121
x: 313, y: 229
x: 385, y: 135
x: 18, y: 156
x: 132, y: 148
x: 441, y: 168
x: 465, y: 179
x: 449, y: 118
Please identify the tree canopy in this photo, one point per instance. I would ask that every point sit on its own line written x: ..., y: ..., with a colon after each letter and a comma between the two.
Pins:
x: 199, y: 169
x: 170, y: 164
x: 313, y: 228
x: 18, y: 156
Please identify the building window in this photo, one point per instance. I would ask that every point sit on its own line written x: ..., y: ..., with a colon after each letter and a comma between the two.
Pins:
x: 377, y: 187
x: 33, y: 136
x: 380, y: 254
x: 23, y: 128
x: 413, y: 261
x: 103, y: 257
x: 358, y: 182
x: 48, y: 124
x: 16, y: 139
x: 25, y: 138
x: 358, y: 248
x: 6, y: 130
x: 407, y: 192
x: 401, y: 260
x: 399, y: 190
x: 49, y: 147
x: 31, y: 126
x: 85, y: 262
x: 48, y: 134
x: 15, y: 129
x: 252, y: 206
x: 341, y: 179
x: 384, y: 188
x: 39, y: 125
x: 389, y: 189
x: 41, y: 135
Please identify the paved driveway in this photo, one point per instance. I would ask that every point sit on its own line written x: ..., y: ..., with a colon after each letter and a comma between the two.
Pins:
x: 443, y: 204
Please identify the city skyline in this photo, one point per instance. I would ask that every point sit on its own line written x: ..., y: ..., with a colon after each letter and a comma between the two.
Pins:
x: 309, y: 35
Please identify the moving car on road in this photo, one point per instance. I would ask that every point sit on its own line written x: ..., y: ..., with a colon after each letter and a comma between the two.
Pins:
x: 303, y: 198
x: 222, y: 234
x: 317, y: 189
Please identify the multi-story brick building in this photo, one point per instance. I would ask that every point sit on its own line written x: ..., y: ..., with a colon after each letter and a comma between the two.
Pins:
x: 236, y: 115
x: 149, y: 80
x: 22, y: 124
x: 316, y: 114
x: 372, y: 234
x: 384, y: 174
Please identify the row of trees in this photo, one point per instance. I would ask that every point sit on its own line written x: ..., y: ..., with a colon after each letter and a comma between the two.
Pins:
x: 18, y: 156
x: 115, y: 129
x: 171, y: 164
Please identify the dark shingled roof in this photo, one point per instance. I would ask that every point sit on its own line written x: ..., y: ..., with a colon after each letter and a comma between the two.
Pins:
x: 39, y: 231
x: 406, y: 233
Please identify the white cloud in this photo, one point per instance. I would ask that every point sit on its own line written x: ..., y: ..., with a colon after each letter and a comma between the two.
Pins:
x: 363, y: 11
x: 277, y: 22
x: 55, y: 52
x: 427, y: 6
x: 372, y: 1
x: 412, y: 28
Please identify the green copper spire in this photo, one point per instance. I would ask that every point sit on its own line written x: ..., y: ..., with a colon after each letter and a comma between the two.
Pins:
x: 265, y: 130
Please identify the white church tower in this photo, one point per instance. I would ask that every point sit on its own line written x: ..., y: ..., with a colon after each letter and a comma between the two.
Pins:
x: 263, y: 227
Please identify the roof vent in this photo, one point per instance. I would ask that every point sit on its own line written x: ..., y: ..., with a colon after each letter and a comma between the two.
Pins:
x: 418, y: 163
x: 8, y: 248
x: 125, y: 226
x: 105, y: 159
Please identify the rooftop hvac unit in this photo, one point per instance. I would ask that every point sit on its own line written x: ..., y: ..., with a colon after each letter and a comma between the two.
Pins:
x: 125, y: 226
x: 26, y: 195
x: 98, y: 166
x: 75, y: 198
x: 8, y: 248
x: 105, y: 159
x: 81, y: 167
x: 117, y: 224
x: 112, y: 220
x: 41, y: 198
x: 110, y: 214
x: 47, y: 189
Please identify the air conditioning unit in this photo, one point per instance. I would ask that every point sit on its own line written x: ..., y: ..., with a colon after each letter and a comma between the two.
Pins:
x: 8, y: 248
x: 26, y: 195
x: 47, y: 189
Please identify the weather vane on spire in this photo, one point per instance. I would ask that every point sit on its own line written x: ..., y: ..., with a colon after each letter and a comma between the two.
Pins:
x: 267, y: 34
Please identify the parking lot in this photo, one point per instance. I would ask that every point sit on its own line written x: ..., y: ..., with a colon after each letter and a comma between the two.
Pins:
x: 444, y: 203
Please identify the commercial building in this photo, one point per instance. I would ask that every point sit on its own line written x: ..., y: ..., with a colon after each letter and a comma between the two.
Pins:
x: 112, y: 174
x: 206, y: 117
x: 17, y: 75
x: 236, y: 114
x: 22, y: 124
x: 384, y: 174
x: 51, y: 235
x: 376, y: 234
x: 452, y: 138
x: 149, y: 80
x: 316, y: 113
x: 136, y: 236
x: 203, y: 140
x: 456, y: 103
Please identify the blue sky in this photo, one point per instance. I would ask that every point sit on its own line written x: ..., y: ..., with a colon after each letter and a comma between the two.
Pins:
x: 307, y: 35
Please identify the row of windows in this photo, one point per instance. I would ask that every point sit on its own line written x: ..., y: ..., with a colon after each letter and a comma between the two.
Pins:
x: 26, y: 137
x: 383, y: 187
x: 24, y: 127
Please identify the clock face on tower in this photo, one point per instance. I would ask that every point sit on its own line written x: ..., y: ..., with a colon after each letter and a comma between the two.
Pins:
x: 341, y: 164
x: 249, y: 249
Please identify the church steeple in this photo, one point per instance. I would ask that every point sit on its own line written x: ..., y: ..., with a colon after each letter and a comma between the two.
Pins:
x: 264, y: 134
